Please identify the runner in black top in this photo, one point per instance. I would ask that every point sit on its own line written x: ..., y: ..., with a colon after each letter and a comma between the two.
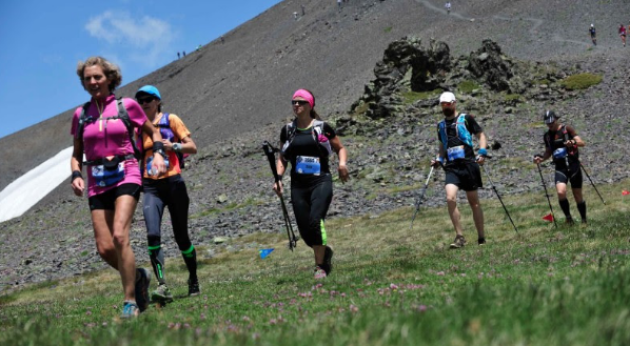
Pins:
x: 593, y: 33
x: 460, y: 164
x: 306, y: 143
x: 562, y: 142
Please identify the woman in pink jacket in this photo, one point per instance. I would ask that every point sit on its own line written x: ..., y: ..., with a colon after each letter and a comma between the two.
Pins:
x: 103, y: 129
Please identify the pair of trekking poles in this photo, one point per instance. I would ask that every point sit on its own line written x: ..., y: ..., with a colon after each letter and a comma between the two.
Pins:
x: 270, y: 152
x: 420, y: 198
x: 544, y: 184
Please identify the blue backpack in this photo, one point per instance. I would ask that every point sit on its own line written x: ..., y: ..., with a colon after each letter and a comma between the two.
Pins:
x: 167, y: 133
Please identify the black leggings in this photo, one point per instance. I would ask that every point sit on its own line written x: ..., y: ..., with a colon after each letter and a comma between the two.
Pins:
x: 310, y: 205
x: 170, y: 192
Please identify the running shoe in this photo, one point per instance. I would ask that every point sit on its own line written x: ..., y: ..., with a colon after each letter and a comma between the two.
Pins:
x: 143, y: 279
x: 193, y: 288
x: 162, y: 294
x: 319, y: 273
x: 328, y: 254
x: 481, y: 241
x: 459, y: 242
x: 130, y: 310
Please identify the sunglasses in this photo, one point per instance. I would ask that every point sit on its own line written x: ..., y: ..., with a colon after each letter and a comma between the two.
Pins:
x: 143, y: 100
x: 298, y: 102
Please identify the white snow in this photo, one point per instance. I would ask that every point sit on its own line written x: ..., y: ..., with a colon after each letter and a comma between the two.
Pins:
x: 27, y: 190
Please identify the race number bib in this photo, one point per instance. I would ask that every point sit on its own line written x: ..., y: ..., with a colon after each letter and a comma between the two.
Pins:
x: 560, y: 153
x: 308, y: 165
x: 456, y: 153
x: 109, y: 173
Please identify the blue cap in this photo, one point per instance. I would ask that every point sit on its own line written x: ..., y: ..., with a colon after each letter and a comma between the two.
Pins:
x: 149, y: 89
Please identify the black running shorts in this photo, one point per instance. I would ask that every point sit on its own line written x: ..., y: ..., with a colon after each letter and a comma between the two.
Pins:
x: 571, y: 174
x: 466, y: 176
x: 107, y: 200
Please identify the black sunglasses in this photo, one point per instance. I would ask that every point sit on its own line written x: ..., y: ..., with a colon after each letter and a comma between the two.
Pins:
x: 143, y: 100
x: 298, y: 102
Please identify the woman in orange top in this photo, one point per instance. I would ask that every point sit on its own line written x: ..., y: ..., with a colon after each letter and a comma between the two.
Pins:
x: 166, y: 190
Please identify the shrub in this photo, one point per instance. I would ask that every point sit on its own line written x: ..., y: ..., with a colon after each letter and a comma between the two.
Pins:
x: 581, y: 81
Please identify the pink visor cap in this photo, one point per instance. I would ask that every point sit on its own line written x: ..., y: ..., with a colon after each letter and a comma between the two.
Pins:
x: 303, y: 93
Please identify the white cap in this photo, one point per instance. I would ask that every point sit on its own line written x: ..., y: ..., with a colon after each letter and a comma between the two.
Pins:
x: 447, y: 97
x: 592, y: 25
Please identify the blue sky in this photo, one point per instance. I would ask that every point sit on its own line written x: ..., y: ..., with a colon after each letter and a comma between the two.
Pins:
x: 42, y: 41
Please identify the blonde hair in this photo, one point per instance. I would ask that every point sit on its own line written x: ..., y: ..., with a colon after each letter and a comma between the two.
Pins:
x: 111, y: 70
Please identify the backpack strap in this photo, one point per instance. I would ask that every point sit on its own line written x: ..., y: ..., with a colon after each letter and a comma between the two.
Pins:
x: 124, y: 116
x: 83, y: 119
x: 165, y: 121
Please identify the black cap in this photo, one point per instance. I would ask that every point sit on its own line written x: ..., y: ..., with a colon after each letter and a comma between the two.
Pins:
x: 550, y: 117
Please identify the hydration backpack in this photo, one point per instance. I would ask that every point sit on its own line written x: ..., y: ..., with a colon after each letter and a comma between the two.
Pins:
x: 122, y: 115
x: 316, y: 130
x: 167, y: 133
x: 460, y: 129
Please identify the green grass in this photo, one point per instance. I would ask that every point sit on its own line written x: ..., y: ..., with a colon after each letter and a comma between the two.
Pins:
x: 410, y: 97
x: 391, y: 286
x: 467, y: 86
x: 387, y: 29
x: 581, y: 81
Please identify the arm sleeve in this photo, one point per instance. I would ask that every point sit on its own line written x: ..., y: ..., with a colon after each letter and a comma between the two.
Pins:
x: 179, y: 128
x: 437, y: 131
x: 472, y: 125
x: 329, y: 131
x: 283, y: 134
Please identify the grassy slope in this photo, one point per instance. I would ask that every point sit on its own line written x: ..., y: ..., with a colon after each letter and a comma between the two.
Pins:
x: 390, y: 286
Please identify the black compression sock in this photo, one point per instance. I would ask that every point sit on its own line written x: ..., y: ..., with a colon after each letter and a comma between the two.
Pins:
x: 564, y: 204
x: 190, y: 258
x: 157, y: 262
x: 582, y: 209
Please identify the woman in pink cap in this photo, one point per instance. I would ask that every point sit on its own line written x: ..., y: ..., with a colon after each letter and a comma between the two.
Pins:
x: 307, y: 142
x: 103, y: 129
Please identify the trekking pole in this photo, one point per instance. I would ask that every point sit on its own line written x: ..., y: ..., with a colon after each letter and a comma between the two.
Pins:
x: 421, y: 197
x: 271, y: 156
x: 544, y: 184
x: 499, y: 197
x: 592, y: 183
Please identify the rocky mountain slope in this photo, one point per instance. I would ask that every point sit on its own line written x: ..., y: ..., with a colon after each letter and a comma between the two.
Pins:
x: 378, y: 90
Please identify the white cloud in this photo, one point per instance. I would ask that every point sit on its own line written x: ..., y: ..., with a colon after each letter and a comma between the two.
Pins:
x: 146, y: 38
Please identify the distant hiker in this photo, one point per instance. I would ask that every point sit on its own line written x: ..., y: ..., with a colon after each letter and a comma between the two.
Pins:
x: 295, y: 15
x: 622, y: 33
x: 178, y: 56
x: 198, y: 47
x: 303, y: 10
x: 593, y: 33
x: 222, y: 39
x: 339, y: 4
x: 184, y: 52
x: 457, y: 156
x: 561, y: 143
x: 448, y: 7
x: 166, y: 190
x: 307, y: 142
x: 102, y: 129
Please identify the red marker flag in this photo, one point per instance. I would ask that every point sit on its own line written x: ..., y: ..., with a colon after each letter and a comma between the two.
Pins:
x: 625, y: 192
x: 548, y: 217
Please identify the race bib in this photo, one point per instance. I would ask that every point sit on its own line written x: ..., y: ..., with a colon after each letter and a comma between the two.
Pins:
x: 560, y: 153
x: 455, y: 153
x: 108, y: 174
x: 150, y: 161
x: 307, y: 165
